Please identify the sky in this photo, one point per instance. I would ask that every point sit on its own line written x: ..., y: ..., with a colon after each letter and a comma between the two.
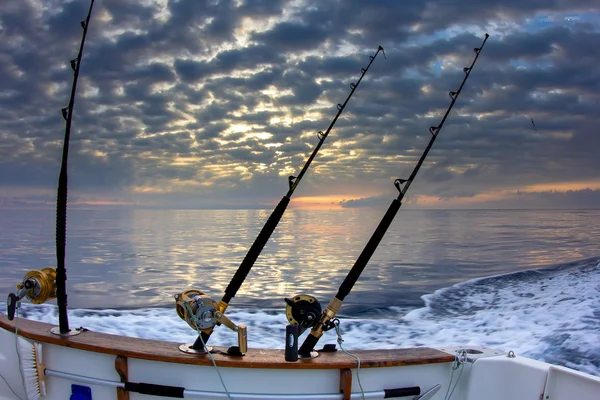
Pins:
x: 213, y: 104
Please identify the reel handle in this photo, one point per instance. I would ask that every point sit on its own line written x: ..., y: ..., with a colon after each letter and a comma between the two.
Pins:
x: 13, y: 299
x: 11, y: 305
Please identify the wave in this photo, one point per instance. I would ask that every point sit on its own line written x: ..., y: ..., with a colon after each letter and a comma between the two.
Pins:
x: 550, y: 314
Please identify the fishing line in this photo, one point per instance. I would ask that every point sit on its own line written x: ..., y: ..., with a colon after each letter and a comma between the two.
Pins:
x: 340, y: 341
x: 459, y: 362
x: 193, y: 316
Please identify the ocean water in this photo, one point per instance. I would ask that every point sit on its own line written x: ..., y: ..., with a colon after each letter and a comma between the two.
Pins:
x: 521, y: 280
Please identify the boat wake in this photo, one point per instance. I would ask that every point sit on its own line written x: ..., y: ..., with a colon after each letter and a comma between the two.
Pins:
x: 551, y: 315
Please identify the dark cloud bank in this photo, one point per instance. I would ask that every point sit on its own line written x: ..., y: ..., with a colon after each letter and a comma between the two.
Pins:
x: 214, y: 103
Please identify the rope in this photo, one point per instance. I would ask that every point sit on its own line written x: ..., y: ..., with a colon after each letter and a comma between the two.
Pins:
x: 193, y: 317
x: 459, y: 362
x: 340, y: 340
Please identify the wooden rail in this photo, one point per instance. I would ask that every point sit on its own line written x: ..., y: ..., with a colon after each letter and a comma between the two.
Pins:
x: 157, y: 350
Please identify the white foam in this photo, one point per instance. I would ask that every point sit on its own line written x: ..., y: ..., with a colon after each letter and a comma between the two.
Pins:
x: 551, y: 316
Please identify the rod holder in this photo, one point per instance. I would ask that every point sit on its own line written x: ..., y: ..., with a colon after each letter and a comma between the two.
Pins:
x: 291, y: 342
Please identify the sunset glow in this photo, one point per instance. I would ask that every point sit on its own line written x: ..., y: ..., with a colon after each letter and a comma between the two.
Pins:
x: 317, y: 203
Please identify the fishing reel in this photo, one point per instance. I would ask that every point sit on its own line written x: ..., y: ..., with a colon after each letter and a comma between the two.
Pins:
x: 37, y: 286
x: 202, y: 314
x: 303, y: 310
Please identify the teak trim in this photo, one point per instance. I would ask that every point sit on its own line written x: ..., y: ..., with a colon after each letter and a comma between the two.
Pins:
x: 346, y: 383
x: 158, y: 350
x: 123, y: 371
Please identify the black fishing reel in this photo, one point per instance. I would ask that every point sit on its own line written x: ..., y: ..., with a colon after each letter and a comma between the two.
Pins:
x: 303, y: 310
x: 202, y: 314
x: 37, y: 286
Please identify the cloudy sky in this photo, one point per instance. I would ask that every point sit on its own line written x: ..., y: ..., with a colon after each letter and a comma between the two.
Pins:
x: 196, y: 103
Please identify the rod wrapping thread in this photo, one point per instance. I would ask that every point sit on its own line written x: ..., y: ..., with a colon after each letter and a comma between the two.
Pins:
x: 265, y: 233
x: 61, y: 196
x: 255, y: 250
x: 371, y: 246
x: 368, y: 251
x: 61, y: 271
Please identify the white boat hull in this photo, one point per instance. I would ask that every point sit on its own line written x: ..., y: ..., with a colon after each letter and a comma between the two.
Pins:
x: 89, y: 360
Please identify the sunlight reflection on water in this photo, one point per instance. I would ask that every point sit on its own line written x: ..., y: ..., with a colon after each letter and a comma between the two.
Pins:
x: 140, y: 258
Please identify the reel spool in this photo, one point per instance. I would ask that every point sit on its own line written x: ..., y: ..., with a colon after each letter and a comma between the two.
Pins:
x: 303, y: 310
x: 203, y: 309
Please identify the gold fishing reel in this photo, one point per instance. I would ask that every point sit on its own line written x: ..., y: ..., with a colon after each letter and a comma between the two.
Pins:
x: 43, y: 285
x: 195, y: 308
x: 202, y: 313
x: 37, y: 286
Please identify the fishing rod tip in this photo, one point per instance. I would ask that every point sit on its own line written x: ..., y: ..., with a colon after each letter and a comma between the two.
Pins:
x: 383, y: 51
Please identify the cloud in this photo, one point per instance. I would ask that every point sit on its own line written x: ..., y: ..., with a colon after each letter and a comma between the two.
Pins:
x: 223, y: 99
x: 366, y: 202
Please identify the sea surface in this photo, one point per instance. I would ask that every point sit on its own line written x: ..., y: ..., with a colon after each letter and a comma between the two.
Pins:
x: 521, y: 280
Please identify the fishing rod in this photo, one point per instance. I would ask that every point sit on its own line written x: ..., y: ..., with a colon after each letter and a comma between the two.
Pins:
x: 49, y: 283
x: 303, y: 310
x: 61, y: 197
x: 267, y: 230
